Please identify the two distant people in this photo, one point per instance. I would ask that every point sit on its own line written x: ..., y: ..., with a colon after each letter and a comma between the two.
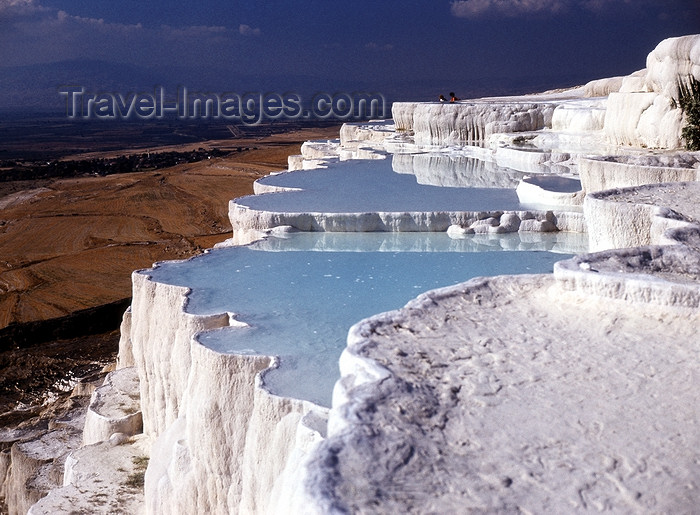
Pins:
x: 453, y: 98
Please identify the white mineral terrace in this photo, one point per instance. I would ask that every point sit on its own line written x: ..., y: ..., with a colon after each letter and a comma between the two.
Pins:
x: 296, y: 297
x: 576, y: 402
x: 389, y: 193
x: 542, y: 393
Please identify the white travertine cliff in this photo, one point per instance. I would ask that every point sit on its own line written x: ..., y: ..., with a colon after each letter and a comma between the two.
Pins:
x: 540, y: 393
x: 467, y: 122
x: 673, y: 60
x: 646, y: 115
x: 220, y: 443
x: 638, y: 110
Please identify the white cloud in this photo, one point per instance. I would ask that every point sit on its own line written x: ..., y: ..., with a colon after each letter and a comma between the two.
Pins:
x: 247, y: 30
x: 199, y: 31
x: 31, y: 33
x: 8, y: 5
x: 97, y: 24
x: 476, y: 8
x: 599, y: 5
x: 512, y: 8
x: 13, y: 9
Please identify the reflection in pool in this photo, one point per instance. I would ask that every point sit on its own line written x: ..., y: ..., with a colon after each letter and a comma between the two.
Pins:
x: 370, y: 186
x: 300, y: 294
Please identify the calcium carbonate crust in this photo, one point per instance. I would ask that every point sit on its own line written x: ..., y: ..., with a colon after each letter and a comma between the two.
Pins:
x: 212, y: 432
x: 434, y: 410
x: 641, y: 215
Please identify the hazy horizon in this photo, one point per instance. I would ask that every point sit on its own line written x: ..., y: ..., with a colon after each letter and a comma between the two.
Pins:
x: 402, y: 50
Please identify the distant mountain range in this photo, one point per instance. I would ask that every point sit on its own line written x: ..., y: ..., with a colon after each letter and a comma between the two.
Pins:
x: 36, y: 86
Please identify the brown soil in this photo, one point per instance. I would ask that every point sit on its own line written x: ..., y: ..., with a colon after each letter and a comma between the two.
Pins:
x: 71, y: 244
x: 30, y: 378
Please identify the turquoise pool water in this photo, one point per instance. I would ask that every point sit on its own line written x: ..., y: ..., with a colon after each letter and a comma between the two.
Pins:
x: 300, y: 294
x: 368, y: 186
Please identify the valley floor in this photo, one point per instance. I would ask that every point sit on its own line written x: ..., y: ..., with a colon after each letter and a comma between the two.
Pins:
x: 68, y: 245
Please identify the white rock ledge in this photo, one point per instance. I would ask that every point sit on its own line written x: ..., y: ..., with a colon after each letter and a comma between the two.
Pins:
x: 550, y: 190
x: 668, y: 276
x: 114, y: 408
x: 630, y: 217
x: 245, y: 219
x: 438, y: 412
x: 599, y: 173
x: 100, y: 478
x: 220, y: 444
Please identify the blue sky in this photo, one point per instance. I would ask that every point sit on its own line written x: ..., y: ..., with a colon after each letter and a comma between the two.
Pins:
x: 419, y: 46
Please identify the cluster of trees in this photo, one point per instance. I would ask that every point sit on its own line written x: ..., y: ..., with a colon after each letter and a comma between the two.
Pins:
x: 22, y: 171
x: 689, y: 102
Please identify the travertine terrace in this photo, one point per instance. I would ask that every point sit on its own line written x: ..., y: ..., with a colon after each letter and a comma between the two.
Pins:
x: 543, y: 393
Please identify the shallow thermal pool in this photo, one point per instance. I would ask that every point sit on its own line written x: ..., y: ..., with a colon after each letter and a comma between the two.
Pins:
x: 369, y: 186
x: 300, y: 294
